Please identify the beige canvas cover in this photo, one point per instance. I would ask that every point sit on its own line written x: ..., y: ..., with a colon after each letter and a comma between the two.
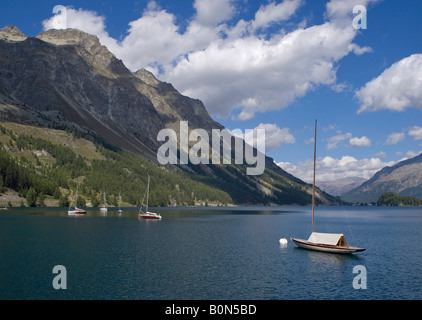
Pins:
x: 328, y: 238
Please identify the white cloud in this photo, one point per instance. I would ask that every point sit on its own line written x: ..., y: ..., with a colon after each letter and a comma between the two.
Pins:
x: 395, y: 138
x: 380, y: 154
x: 330, y: 169
x: 334, y: 141
x: 212, y: 12
x: 274, y: 12
x: 274, y: 136
x: 397, y: 88
x: 85, y: 20
x: 416, y: 132
x: 411, y: 154
x: 360, y: 142
x: 238, y: 67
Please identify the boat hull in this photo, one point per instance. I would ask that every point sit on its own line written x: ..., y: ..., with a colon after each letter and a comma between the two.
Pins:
x: 76, y: 212
x: 325, y: 247
x: 149, y: 216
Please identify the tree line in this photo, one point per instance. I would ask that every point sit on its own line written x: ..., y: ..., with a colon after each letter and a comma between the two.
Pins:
x: 122, y: 174
x: 394, y: 199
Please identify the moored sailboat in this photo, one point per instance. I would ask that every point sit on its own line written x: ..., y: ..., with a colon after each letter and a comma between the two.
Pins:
x: 326, y: 242
x: 76, y: 211
x: 147, y: 214
x: 104, y: 208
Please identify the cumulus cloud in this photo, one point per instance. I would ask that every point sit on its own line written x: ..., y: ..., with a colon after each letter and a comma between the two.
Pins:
x: 395, y: 138
x: 334, y: 141
x: 234, y: 68
x: 397, y: 88
x: 274, y: 136
x: 416, y: 132
x: 330, y: 169
x: 274, y: 12
x: 360, y: 142
x: 212, y: 12
x: 85, y: 20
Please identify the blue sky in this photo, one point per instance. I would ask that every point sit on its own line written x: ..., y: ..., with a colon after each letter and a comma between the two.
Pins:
x: 277, y: 65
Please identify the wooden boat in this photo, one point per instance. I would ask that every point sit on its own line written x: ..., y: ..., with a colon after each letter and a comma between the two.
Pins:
x: 326, y: 242
x: 148, y: 215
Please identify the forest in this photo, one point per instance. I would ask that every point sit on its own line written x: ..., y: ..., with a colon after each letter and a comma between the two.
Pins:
x: 394, y: 199
x: 37, y: 169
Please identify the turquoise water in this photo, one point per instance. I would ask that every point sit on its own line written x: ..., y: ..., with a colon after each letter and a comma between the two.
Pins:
x: 209, y: 254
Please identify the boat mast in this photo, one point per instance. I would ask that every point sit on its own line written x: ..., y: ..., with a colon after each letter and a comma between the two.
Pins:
x: 76, y: 201
x: 146, y: 211
x: 313, y: 190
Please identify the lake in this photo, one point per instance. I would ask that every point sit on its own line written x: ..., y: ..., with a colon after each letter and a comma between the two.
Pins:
x: 210, y: 254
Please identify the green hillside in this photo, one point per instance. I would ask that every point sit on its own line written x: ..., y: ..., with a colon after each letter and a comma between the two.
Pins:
x: 394, y: 199
x: 39, y: 164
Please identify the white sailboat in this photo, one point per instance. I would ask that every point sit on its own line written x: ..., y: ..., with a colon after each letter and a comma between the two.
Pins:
x: 104, y: 208
x: 326, y: 242
x: 75, y: 211
x: 120, y: 200
x: 147, y: 214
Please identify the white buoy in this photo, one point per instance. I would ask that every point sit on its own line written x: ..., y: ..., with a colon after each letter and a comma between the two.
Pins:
x: 283, y: 241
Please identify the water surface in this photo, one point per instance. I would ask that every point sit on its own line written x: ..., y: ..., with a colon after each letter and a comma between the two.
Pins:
x: 210, y: 253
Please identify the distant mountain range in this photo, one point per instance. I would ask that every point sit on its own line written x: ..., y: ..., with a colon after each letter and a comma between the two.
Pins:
x: 404, y: 178
x: 340, y: 186
x: 66, y: 80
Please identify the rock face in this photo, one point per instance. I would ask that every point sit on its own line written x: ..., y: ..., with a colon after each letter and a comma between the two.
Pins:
x: 404, y: 178
x: 65, y: 79
x: 11, y: 34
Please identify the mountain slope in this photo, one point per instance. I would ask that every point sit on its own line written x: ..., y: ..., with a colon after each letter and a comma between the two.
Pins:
x: 340, y: 186
x: 65, y: 79
x: 404, y: 178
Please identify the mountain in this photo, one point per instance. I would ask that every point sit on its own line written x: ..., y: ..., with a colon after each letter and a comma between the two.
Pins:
x: 340, y: 186
x: 404, y: 178
x: 66, y: 80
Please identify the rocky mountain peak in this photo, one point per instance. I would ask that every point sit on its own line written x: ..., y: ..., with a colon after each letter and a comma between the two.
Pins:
x: 12, y: 33
x: 147, y: 77
x: 70, y: 37
x: 88, y: 47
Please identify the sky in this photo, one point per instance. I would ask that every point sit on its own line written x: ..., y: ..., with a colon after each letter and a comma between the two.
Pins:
x: 276, y: 65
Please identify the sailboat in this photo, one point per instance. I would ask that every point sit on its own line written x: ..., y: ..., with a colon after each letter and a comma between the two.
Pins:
x: 120, y: 200
x: 76, y: 211
x: 104, y: 209
x: 147, y: 214
x: 326, y: 242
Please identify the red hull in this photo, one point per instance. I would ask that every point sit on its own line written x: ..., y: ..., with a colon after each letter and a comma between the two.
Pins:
x: 149, y: 216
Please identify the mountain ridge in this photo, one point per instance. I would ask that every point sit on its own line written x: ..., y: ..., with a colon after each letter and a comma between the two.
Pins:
x: 403, y: 178
x: 65, y: 79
